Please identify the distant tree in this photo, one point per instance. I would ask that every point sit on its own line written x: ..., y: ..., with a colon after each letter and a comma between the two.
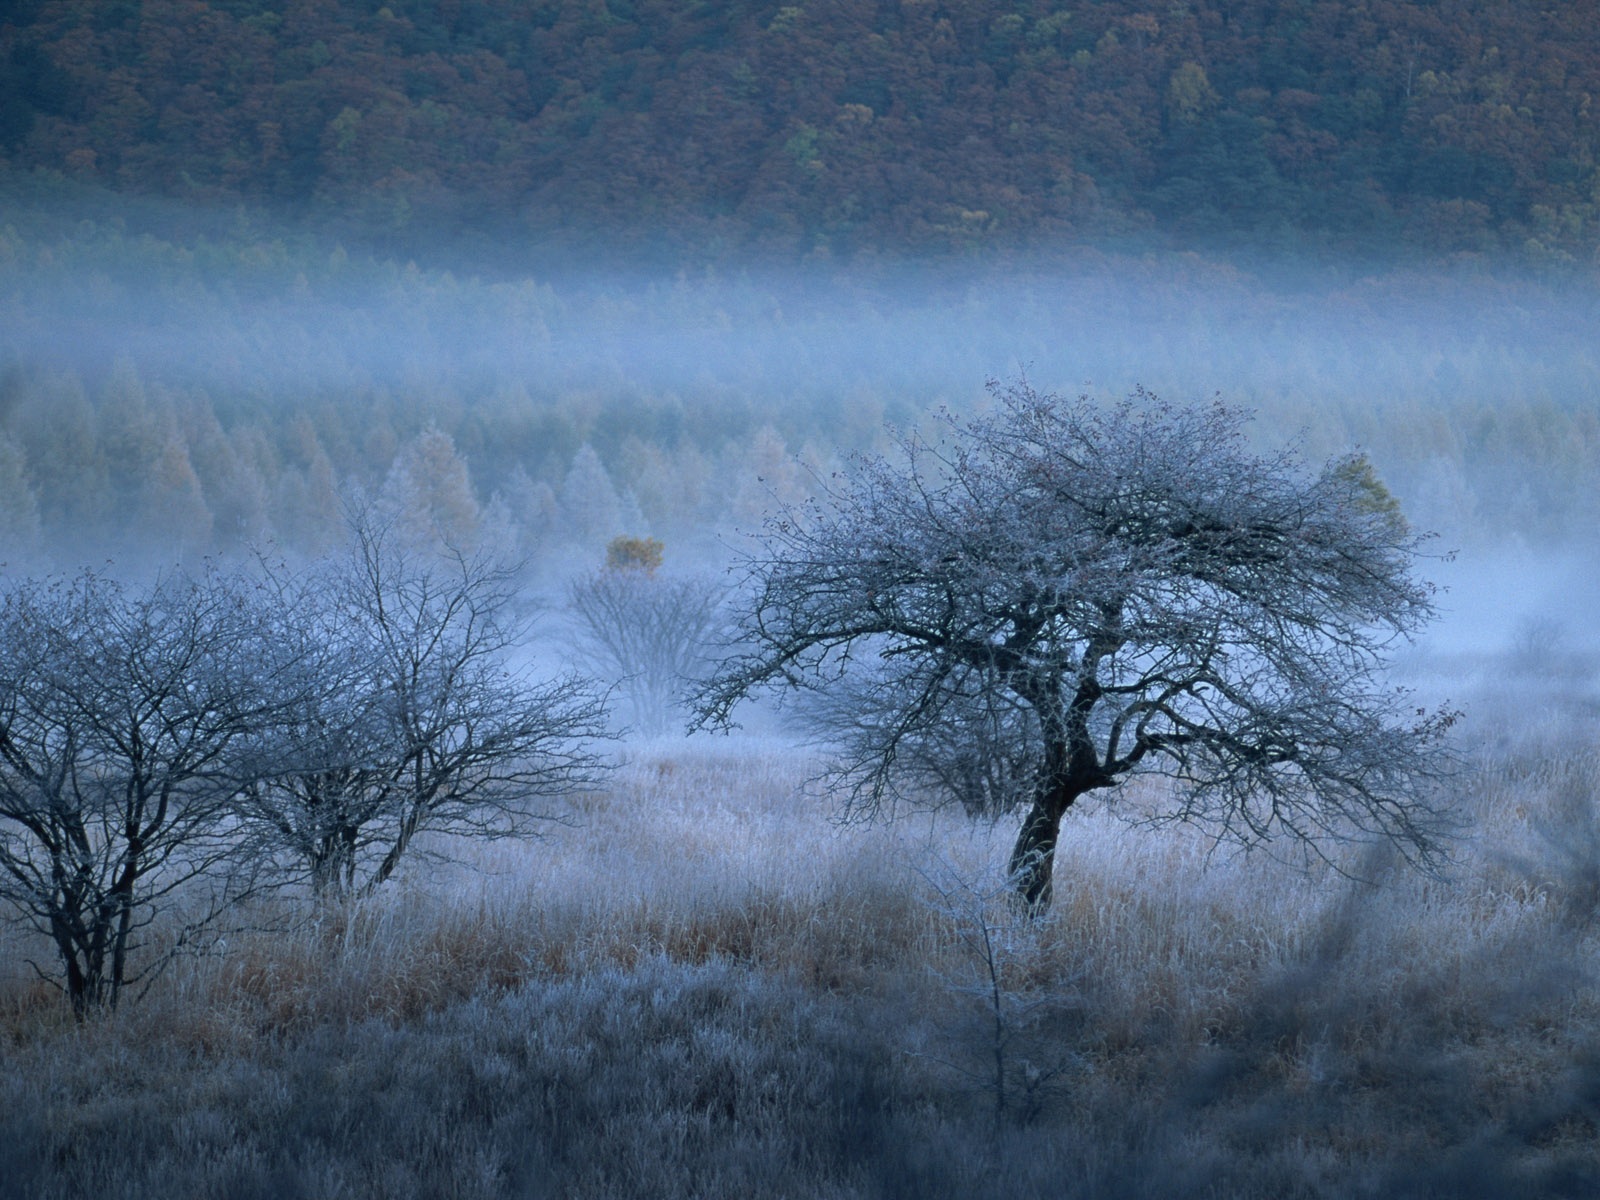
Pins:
x: 1370, y: 495
x: 58, y: 427
x: 1057, y: 597
x: 19, y: 506
x: 657, y: 484
x: 645, y: 632
x: 230, y: 482
x: 117, y: 722
x: 172, y: 510
x: 590, y: 506
x: 633, y: 554
x: 532, y: 508
x: 1190, y: 95
x: 132, y: 437
x: 305, y: 503
x: 416, y: 715
x: 430, y: 490
x: 771, y: 473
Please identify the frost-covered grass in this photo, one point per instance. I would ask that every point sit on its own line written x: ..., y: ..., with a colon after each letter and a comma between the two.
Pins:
x: 704, y: 987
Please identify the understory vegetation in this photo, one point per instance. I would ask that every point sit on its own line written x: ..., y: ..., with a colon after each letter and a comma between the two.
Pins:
x: 702, y: 985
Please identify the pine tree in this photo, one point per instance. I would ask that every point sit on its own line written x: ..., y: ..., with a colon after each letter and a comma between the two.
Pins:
x: 19, y: 507
x: 532, y: 508
x: 429, y: 489
x: 590, y: 507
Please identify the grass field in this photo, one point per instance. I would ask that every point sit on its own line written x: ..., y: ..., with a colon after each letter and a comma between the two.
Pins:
x: 702, y: 986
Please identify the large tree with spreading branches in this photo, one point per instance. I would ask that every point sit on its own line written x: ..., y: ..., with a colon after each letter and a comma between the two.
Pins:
x: 1049, y: 599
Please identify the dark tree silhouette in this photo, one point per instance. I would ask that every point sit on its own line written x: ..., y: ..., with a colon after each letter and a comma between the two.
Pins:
x: 119, y: 717
x: 1056, y: 596
x: 416, y: 715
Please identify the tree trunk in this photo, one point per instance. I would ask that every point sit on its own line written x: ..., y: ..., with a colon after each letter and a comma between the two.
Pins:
x: 402, y: 839
x: 333, y: 864
x: 124, y: 927
x: 77, y: 983
x: 1033, y: 857
x: 325, y: 873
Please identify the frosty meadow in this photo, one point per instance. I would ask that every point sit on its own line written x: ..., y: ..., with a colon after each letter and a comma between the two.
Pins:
x: 532, y: 665
x: 355, y: 969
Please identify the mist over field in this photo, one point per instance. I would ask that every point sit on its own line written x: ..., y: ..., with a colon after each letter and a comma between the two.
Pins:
x: 696, y: 939
x: 416, y: 417
x: 1472, y: 394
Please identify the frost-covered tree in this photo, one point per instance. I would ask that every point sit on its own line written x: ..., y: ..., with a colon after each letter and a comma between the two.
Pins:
x: 19, y: 505
x: 58, y: 429
x: 119, y: 719
x: 532, y: 507
x: 646, y: 632
x: 429, y: 488
x: 771, y: 473
x: 1056, y: 597
x: 419, y: 713
x: 172, y: 512
x: 230, y: 478
x: 590, y: 505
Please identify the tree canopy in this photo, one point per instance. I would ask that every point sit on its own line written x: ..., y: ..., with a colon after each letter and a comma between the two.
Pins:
x: 1056, y: 597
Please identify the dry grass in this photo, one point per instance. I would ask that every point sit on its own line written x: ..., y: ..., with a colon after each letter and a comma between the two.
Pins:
x: 702, y: 986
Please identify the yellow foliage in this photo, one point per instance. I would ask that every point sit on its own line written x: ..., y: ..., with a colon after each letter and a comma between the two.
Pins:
x: 633, y: 554
x: 1190, y: 95
x: 1372, y: 496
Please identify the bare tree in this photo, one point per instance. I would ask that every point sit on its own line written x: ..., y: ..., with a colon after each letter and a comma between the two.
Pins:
x: 1056, y: 597
x: 647, y: 633
x: 312, y: 782
x: 117, y: 718
x: 417, y: 717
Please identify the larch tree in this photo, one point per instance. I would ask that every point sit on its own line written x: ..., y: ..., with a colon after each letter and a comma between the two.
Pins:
x: 590, y: 506
x: 19, y: 504
x: 1055, y: 597
x: 430, y: 489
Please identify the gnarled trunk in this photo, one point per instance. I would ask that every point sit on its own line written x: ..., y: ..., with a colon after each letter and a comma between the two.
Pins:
x: 333, y: 863
x: 1033, y: 859
x: 1033, y: 856
x: 1070, y: 769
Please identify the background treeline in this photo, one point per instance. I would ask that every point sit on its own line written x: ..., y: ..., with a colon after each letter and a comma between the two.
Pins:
x: 535, y: 130
x: 188, y: 396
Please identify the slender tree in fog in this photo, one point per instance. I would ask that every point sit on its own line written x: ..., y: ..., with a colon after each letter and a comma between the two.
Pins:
x: 645, y: 631
x: 590, y: 506
x: 313, y: 781
x: 1055, y: 597
x: 19, y: 504
x: 416, y: 716
x: 117, y: 721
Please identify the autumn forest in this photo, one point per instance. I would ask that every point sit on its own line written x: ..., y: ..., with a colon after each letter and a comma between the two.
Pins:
x: 725, y: 129
x: 695, y: 240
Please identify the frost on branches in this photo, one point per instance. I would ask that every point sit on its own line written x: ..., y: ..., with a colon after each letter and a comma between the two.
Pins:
x: 1055, y: 597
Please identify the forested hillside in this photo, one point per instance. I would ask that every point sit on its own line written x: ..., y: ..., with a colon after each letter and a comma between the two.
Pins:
x: 538, y: 130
